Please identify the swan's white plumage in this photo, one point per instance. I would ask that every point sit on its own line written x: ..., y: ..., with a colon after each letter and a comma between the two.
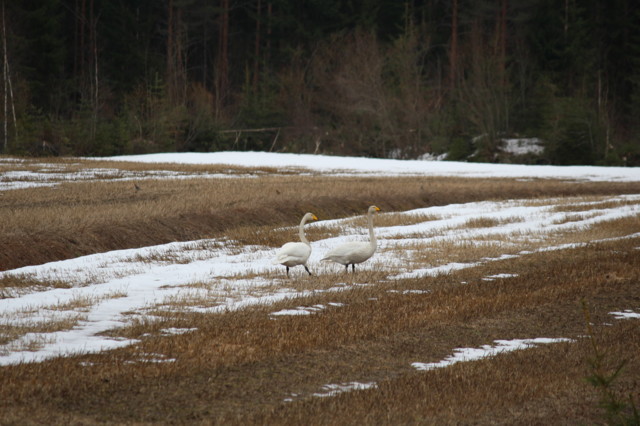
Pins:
x: 355, y: 252
x: 350, y: 253
x: 294, y: 254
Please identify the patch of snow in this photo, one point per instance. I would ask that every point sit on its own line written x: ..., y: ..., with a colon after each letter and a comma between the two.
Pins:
x: 410, y: 291
x: 153, y: 358
x: 499, y: 276
x: 31, y: 179
x: 627, y: 314
x: 336, y: 389
x: 304, y: 310
x: 297, y: 311
x: 523, y: 146
x: 433, y: 157
x: 175, y: 331
x: 389, y: 167
x: 474, y: 354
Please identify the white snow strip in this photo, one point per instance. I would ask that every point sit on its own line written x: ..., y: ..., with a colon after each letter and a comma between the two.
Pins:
x: 499, y: 276
x: 305, y: 310
x: 293, y: 312
x: 331, y: 164
x: 336, y: 389
x: 474, y: 354
x: 627, y: 314
x: 177, y: 331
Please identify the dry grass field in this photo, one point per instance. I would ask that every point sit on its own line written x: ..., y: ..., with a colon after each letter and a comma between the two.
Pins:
x: 247, y: 366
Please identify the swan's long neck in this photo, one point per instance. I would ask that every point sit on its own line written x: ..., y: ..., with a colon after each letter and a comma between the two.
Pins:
x: 372, y: 236
x: 303, y: 238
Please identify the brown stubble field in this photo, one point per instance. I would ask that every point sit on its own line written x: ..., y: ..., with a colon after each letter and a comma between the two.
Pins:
x: 247, y: 367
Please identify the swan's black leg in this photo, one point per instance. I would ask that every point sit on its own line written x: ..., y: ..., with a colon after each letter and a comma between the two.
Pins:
x: 353, y: 268
x: 287, y: 270
x: 305, y: 267
x: 346, y: 268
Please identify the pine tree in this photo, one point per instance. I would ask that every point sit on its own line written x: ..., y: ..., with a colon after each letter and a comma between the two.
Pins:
x: 43, y: 53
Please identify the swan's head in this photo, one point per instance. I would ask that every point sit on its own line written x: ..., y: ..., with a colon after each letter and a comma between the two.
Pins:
x: 373, y: 209
x: 310, y: 216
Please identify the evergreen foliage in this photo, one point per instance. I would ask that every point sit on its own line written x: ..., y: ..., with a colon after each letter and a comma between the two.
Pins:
x: 604, y: 377
x: 362, y: 77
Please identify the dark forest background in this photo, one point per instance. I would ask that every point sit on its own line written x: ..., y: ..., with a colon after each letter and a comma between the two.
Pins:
x: 381, y: 78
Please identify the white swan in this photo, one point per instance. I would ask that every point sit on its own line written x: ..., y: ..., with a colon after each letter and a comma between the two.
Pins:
x: 355, y: 252
x: 293, y: 254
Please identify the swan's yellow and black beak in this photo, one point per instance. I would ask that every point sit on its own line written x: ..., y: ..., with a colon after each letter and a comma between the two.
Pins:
x: 314, y: 217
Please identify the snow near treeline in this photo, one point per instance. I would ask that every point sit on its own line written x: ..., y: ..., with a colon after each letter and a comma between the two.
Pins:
x: 109, y: 290
x: 378, y: 166
x: 42, y: 174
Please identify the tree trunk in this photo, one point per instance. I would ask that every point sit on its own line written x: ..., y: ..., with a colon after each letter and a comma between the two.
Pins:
x: 79, y: 54
x: 268, y: 47
x: 5, y: 79
x: 453, y: 55
x: 256, y: 53
x: 503, y: 41
x: 93, y: 83
x: 170, y: 70
x: 222, y: 69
